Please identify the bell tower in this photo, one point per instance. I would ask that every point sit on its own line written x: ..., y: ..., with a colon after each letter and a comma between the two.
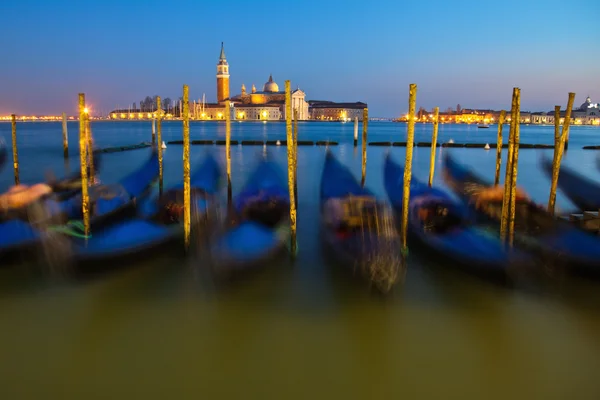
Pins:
x: 222, y: 77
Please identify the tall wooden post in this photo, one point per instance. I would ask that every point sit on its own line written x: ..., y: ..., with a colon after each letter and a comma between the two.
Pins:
x: 159, y: 140
x: 558, y: 150
x: 499, y: 147
x: 410, y: 140
x: 65, y: 136
x: 290, y: 156
x: 510, y: 166
x: 186, y: 166
x: 83, y: 159
x: 436, y: 119
x: 364, y: 145
x: 13, y: 119
x: 515, y: 169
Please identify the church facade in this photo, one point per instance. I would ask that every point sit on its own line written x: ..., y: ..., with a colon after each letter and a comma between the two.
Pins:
x: 265, y: 105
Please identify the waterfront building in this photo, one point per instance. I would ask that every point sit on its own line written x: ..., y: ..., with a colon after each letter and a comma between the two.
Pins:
x: 331, y: 111
x: 263, y: 104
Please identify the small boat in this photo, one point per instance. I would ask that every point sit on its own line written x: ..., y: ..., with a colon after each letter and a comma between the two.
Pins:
x: 582, y: 191
x: 552, y: 239
x: 108, y: 203
x: 158, y: 224
x: 445, y: 226
x: 483, y: 126
x: 62, y: 190
x: 357, y: 229
x: 259, y: 228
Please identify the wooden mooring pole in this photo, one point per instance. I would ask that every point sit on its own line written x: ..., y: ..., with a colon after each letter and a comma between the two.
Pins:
x: 186, y: 167
x: 410, y: 140
x: 355, y: 131
x: 159, y: 141
x: 556, y: 131
x: 228, y: 149
x: 501, y: 120
x: 365, y: 126
x: 83, y: 160
x: 436, y: 118
x: 290, y: 157
x: 560, y: 142
x: 13, y: 119
x: 515, y: 168
x: 65, y: 135
x: 511, y: 168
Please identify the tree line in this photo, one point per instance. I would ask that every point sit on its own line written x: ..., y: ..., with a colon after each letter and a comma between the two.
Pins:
x: 149, y: 104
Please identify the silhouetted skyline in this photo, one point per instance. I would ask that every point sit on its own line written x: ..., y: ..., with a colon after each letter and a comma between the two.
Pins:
x: 467, y: 52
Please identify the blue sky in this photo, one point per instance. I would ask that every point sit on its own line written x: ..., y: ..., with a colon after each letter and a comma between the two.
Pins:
x: 467, y: 52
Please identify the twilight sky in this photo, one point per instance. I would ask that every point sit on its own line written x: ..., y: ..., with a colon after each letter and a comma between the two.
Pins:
x: 462, y: 51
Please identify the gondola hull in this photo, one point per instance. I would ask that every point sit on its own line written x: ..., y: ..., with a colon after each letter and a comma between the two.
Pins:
x: 154, y: 229
x: 260, y: 224
x: 53, y: 215
x: 453, y: 236
x: 553, y: 240
x: 583, y: 192
x: 369, y: 246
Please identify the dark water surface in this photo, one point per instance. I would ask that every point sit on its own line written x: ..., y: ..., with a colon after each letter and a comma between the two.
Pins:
x: 296, y: 330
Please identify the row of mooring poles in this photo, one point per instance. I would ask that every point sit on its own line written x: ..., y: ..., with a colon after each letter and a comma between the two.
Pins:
x: 559, y: 147
x: 291, y: 157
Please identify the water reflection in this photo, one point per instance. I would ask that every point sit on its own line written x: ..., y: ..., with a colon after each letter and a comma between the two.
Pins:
x: 164, y: 329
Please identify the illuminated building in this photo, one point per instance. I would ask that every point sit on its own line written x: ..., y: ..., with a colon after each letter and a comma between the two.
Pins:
x: 331, y: 111
x: 222, y: 77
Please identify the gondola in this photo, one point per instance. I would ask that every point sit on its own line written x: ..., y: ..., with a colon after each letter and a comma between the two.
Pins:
x: 259, y: 224
x: 61, y: 195
x: 357, y: 229
x: 444, y: 226
x: 108, y: 203
x: 554, y: 240
x: 583, y: 192
x: 158, y: 225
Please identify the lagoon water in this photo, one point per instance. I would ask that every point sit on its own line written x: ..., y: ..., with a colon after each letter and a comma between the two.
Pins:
x: 296, y: 330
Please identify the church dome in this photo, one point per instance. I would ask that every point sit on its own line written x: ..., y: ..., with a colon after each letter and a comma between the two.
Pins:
x: 270, y: 86
x: 587, y: 104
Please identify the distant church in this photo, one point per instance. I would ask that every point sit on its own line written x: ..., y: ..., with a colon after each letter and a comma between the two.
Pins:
x: 268, y: 104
